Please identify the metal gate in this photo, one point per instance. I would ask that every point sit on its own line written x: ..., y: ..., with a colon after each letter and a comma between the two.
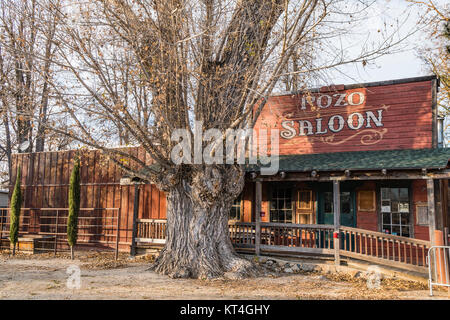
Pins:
x: 438, y: 267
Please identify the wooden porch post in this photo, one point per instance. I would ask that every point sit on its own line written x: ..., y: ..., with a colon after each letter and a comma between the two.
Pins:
x: 431, y: 210
x: 135, y: 216
x: 337, y: 217
x: 258, y: 200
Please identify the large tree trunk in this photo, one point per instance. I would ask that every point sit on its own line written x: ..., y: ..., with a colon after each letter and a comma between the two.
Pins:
x: 198, y: 243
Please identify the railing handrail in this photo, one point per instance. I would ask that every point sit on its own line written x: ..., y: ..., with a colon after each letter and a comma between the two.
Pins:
x: 386, y: 236
x: 294, y: 225
x: 151, y: 220
x: 282, y: 225
x: 314, y: 226
x: 239, y: 223
x: 61, y: 209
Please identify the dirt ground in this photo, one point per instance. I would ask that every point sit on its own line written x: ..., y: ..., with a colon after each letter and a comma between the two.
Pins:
x: 45, y: 276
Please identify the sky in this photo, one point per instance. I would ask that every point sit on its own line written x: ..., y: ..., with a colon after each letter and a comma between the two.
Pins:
x: 404, y: 64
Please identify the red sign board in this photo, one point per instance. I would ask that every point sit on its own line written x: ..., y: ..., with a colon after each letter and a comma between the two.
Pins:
x: 384, y: 117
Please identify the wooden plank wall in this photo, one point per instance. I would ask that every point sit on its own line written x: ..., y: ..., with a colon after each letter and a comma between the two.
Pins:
x: 45, y: 182
x: 407, y: 120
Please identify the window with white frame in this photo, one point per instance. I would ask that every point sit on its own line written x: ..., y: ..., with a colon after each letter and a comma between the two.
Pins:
x: 235, y: 212
x: 395, y: 211
x: 281, y: 204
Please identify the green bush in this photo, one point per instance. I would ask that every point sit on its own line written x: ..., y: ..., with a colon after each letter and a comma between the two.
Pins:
x: 16, y: 204
x: 74, y: 206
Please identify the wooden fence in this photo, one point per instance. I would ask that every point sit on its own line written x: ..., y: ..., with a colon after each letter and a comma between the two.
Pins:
x: 97, y: 227
x: 45, y: 185
x: 376, y: 247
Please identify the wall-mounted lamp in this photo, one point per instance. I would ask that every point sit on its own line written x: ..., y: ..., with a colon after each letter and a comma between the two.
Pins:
x: 313, y: 173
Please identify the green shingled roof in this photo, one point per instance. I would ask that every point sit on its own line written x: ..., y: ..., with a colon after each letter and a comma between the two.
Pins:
x: 361, y: 160
x: 366, y: 160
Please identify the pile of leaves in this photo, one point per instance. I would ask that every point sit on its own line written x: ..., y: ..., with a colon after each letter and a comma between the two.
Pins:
x: 385, y: 283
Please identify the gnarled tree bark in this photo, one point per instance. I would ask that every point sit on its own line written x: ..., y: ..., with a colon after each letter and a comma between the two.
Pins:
x: 198, y: 244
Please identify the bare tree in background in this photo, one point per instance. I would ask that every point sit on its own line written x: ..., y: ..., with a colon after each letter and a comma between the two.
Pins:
x: 27, y: 48
x: 435, y: 20
x: 148, y: 68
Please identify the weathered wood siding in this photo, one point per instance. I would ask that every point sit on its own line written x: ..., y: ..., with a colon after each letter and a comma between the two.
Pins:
x: 45, y: 182
x: 406, y: 111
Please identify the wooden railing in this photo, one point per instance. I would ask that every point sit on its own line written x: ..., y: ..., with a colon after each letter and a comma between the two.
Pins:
x: 306, y: 238
x: 151, y: 231
x: 242, y: 234
x: 384, y: 248
x: 377, y: 247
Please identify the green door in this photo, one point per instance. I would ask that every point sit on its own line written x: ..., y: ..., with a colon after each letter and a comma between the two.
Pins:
x: 348, y: 212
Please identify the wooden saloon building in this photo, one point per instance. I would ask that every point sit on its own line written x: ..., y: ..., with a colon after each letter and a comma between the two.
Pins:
x: 362, y: 174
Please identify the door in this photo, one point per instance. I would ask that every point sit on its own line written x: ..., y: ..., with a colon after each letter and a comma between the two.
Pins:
x: 305, y: 207
x: 348, y: 212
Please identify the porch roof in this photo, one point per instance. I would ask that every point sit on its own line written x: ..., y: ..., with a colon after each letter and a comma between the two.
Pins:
x: 366, y: 160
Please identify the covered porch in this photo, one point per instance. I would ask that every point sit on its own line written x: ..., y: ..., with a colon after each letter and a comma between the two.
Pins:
x: 379, y: 206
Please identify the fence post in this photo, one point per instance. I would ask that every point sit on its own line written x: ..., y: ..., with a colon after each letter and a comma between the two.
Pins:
x: 135, y: 215
x: 56, y: 232
x: 431, y: 210
x: 116, y: 255
x: 337, y: 215
x: 446, y: 236
x: 440, y: 258
x: 1, y: 224
x: 258, y: 199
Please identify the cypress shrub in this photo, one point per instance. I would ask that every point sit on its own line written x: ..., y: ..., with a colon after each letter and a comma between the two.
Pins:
x: 16, y: 204
x: 74, y: 206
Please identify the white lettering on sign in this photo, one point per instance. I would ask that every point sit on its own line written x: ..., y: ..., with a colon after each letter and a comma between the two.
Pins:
x: 324, y: 104
x: 351, y: 98
x: 324, y: 101
x: 340, y: 123
x: 290, y: 132
x: 360, y: 120
x: 341, y: 100
x: 336, y: 123
x: 377, y: 121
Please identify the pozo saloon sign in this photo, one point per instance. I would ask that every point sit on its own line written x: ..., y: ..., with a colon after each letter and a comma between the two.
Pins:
x: 319, y: 115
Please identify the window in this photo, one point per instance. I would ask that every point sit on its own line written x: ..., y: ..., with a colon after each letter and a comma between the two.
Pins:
x: 281, y: 205
x: 235, y: 212
x: 304, y: 200
x: 395, y: 211
x: 422, y: 214
x: 346, y: 202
